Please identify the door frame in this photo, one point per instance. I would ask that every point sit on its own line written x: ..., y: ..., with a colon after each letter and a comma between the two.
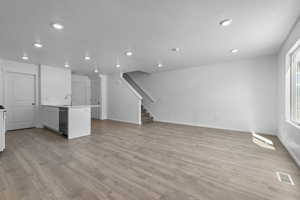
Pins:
x: 30, y: 72
x: 99, y: 109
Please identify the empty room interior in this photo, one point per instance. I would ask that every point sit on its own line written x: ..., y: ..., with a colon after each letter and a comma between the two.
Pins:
x: 150, y: 100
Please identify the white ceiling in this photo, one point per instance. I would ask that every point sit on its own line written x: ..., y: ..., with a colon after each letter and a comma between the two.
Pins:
x: 105, y: 29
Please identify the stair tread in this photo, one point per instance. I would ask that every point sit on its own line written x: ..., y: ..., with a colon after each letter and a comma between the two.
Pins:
x: 146, y: 116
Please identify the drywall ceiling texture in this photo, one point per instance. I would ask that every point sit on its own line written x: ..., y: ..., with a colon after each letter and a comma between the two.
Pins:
x: 239, y: 95
x: 105, y: 29
x: 289, y: 134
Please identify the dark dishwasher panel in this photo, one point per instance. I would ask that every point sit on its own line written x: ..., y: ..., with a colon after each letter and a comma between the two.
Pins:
x: 63, y: 121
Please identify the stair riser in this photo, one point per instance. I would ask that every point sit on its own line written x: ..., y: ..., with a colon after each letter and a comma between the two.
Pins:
x: 146, y: 116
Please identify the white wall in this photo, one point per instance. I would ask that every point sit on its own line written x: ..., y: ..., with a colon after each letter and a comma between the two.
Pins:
x: 55, y: 85
x: 123, y: 103
x: 239, y: 95
x: 81, y: 90
x: 288, y: 133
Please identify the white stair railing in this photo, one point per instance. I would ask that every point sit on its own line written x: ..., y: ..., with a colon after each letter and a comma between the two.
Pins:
x: 139, y: 89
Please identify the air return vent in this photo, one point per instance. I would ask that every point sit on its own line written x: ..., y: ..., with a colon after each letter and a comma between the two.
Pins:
x: 285, y: 178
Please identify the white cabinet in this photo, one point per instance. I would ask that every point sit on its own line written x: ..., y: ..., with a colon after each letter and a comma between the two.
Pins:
x: 79, y: 121
x: 50, y: 117
x: 72, y: 121
x: 81, y: 90
x: 2, y: 130
x: 55, y: 86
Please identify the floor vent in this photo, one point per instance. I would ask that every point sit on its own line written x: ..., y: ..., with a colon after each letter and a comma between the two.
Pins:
x: 285, y: 178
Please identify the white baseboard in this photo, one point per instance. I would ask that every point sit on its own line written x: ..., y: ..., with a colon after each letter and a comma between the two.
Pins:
x: 215, y: 127
x: 284, y: 143
x: 120, y: 120
x: 39, y: 126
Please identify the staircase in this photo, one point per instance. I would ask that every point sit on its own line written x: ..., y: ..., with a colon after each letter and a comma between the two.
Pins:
x: 146, y: 116
x: 146, y: 98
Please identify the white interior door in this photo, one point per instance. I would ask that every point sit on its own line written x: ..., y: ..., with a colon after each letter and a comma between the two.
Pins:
x: 95, y: 98
x: 20, y: 100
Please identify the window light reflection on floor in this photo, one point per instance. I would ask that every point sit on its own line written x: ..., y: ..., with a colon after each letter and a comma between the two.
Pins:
x: 262, y: 141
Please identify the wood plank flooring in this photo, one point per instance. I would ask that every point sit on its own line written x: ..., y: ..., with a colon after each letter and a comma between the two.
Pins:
x: 161, y: 161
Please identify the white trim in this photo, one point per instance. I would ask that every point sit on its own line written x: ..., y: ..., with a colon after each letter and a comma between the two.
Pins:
x: 130, y: 87
x: 288, y: 86
x: 214, y: 127
x: 148, y: 94
x: 120, y: 120
x: 140, y: 112
x: 144, y: 92
x: 36, y: 110
x: 103, y: 96
x: 291, y: 152
x: 293, y: 124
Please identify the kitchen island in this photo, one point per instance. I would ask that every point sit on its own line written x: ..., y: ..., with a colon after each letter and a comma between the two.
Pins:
x: 69, y: 120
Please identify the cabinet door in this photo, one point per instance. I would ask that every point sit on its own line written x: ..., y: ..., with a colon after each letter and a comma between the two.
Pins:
x: 55, y: 86
x: 51, y: 117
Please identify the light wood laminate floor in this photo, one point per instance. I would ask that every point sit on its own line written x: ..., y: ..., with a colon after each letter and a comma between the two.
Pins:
x: 162, y: 161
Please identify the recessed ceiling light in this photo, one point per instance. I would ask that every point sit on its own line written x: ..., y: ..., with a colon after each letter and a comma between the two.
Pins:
x: 160, y: 65
x: 57, y: 26
x: 234, y: 51
x: 118, y: 65
x: 87, y: 58
x: 37, y: 45
x: 225, y: 22
x: 96, y: 70
x: 25, y: 57
x: 175, y: 49
x: 128, y: 53
x: 67, y: 65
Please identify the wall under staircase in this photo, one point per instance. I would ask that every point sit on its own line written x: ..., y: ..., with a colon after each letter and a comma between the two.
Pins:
x: 123, y: 102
